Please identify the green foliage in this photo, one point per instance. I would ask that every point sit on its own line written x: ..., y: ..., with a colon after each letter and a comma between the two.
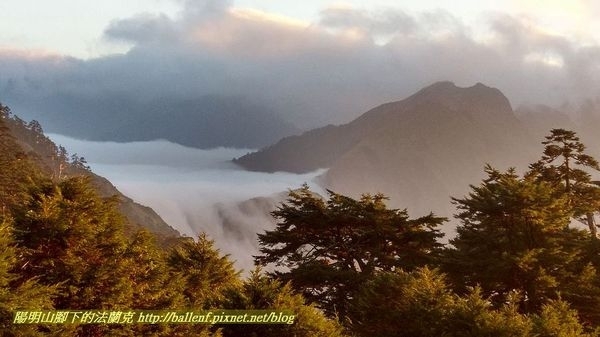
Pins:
x: 402, y: 304
x: 207, y: 275
x: 195, y: 276
x: 73, y: 237
x: 557, y: 319
x: 420, y: 303
x: 564, y: 165
x: 16, y: 292
x: 516, y: 267
x: 473, y: 315
x: 330, y: 248
x: 17, y: 172
x: 514, y: 236
x: 154, y: 288
x: 79, y: 163
x: 262, y: 292
x: 564, y: 147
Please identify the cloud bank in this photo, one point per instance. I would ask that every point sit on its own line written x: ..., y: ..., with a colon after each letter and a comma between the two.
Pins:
x: 328, y: 71
x: 194, y: 190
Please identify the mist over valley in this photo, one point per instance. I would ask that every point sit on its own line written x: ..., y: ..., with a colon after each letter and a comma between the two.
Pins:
x: 383, y: 168
x: 195, y: 190
x: 420, y: 152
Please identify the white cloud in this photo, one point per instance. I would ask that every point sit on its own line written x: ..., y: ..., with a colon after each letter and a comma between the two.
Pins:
x: 328, y: 71
x: 194, y: 190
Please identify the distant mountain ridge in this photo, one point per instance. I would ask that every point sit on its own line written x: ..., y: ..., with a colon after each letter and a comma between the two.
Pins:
x: 205, y: 122
x: 319, y: 148
x: 419, y: 151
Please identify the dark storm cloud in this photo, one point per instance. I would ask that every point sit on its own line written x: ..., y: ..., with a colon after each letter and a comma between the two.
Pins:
x: 329, y: 71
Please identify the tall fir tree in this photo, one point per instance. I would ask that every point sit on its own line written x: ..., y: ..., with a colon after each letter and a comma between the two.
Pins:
x: 72, y: 237
x: 514, y: 237
x: 207, y: 274
x: 565, y: 165
x: 204, y: 277
x: 329, y: 248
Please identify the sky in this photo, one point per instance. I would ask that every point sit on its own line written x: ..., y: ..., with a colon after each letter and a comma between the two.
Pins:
x: 76, y: 27
x: 314, y: 62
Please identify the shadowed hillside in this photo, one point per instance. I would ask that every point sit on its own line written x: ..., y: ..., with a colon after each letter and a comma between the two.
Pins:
x: 54, y: 161
x: 419, y: 151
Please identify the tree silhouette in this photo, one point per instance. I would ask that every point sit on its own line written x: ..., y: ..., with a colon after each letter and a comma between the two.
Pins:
x: 329, y: 248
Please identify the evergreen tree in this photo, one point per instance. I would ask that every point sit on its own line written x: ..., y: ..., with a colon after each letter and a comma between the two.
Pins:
x: 72, y: 237
x: 206, y: 273
x: 75, y: 237
x: 514, y: 237
x: 17, y: 172
x: 473, y: 315
x: 262, y: 292
x: 564, y: 165
x: 420, y: 303
x: 402, y: 304
x: 330, y: 248
x: 154, y: 286
x: 204, y: 277
x: 16, y: 292
x: 557, y: 319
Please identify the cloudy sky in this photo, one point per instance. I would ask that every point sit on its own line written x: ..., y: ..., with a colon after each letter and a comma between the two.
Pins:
x: 313, y: 61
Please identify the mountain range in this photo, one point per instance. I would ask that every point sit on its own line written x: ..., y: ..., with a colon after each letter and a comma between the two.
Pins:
x: 205, y: 122
x: 419, y: 151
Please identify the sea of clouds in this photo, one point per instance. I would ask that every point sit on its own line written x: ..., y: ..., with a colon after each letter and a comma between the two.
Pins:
x: 194, y: 190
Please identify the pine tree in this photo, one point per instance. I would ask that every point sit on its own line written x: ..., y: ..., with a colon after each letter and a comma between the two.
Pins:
x: 72, y: 237
x: 262, y: 292
x: 203, y: 277
x: 330, y: 248
x: 420, y: 303
x: 207, y: 274
x: 514, y: 236
x: 563, y: 165
x: 402, y: 304
x: 557, y: 319
x: 154, y: 288
x: 17, y: 172
x: 16, y: 292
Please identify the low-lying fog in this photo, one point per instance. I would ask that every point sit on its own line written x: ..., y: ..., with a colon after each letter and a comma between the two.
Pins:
x: 193, y: 190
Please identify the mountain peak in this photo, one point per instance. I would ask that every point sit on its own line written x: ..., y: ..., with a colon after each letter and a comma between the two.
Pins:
x: 442, y: 106
x: 449, y: 86
x: 478, y: 96
x: 437, y: 88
